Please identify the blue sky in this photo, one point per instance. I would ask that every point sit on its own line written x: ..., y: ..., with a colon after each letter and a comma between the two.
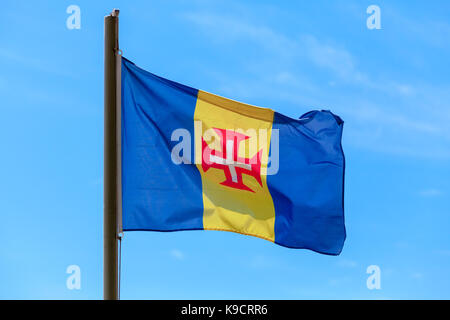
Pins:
x: 391, y: 87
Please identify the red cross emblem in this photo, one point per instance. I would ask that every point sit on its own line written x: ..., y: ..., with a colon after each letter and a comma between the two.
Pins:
x: 228, y: 160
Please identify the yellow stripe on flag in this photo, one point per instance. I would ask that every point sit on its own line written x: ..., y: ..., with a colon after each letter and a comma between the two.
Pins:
x: 240, y: 202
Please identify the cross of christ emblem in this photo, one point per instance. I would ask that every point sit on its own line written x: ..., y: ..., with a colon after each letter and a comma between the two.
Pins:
x: 228, y: 160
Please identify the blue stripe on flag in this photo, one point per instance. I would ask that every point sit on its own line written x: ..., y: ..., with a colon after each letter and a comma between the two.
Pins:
x: 156, y: 193
x: 307, y: 191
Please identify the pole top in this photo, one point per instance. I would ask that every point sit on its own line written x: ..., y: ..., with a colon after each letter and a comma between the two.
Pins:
x: 115, y: 12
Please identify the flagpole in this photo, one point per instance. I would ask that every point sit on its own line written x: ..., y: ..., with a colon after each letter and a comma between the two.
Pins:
x: 110, y: 174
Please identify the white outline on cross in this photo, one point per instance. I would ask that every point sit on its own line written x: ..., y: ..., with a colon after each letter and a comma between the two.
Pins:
x: 229, y: 161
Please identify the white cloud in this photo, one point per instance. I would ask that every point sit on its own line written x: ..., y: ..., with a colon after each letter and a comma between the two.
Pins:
x: 97, y: 181
x: 225, y: 29
x: 261, y: 262
x: 337, y: 60
x: 417, y: 275
x: 432, y: 32
x: 32, y: 62
x: 345, y: 263
x: 430, y: 193
x: 338, y: 281
x: 382, y: 114
x: 177, y: 254
x: 445, y: 253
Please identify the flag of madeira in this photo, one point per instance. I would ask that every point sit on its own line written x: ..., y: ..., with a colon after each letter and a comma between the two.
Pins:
x: 192, y: 160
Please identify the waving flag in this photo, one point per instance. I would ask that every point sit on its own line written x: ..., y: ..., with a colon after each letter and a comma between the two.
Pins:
x: 192, y: 160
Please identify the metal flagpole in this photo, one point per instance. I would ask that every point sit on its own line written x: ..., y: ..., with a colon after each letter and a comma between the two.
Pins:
x: 111, y: 156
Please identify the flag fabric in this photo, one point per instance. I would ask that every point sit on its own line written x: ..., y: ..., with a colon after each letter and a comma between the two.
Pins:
x: 192, y: 160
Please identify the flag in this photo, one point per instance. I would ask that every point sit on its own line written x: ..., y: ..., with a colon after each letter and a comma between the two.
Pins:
x: 192, y: 160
